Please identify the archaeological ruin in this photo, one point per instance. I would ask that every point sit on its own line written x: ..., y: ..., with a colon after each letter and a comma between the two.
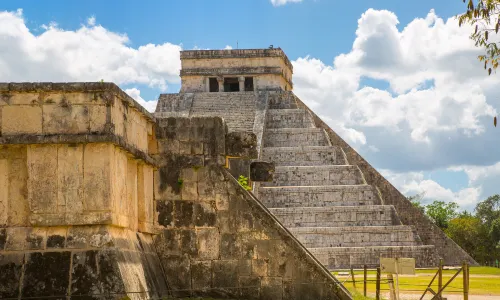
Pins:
x: 100, y: 199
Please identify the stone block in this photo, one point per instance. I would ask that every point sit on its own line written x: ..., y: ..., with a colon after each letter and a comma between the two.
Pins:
x: 201, y: 275
x: 56, y: 237
x: 65, y: 119
x: 70, y: 179
x: 98, y: 116
x: 241, y: 144
x: 208, y: 243
x: 46, y: 274
x: 11, y: 265
x: 4, y: 192
x: 30, y: 123
x: 225, y: 274
x: 42, y: 183
x: 98, y: 161
x: 261, y: 171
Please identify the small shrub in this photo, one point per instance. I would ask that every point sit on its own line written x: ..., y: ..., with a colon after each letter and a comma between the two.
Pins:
x: 243, y: 181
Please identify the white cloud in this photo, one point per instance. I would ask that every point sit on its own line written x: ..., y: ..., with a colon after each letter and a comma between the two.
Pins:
x: 228, y: 47
x: 136, y: 95
x: 283, y: 2
x: 412, y: 183
x: 436, y: 114
x: 90, y: 53
x: 91, y: 21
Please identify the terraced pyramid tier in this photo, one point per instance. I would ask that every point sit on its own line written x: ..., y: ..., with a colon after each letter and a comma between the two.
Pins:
x: 293, y: 137
x: 319, y: 196
x: 316, y: 176
x: 324, y: 201
x: 356, y: 236
x: 356, y: 257
x: 337, y: 216
x: 289, y: 118
x: 304, y: 155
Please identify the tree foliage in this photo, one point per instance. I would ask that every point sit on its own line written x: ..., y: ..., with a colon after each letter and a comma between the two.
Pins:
x: 478, y: 233
x: 441, y: 212
x: 484, y: 17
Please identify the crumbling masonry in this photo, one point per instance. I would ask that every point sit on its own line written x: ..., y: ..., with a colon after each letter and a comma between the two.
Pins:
x: 100, y: 199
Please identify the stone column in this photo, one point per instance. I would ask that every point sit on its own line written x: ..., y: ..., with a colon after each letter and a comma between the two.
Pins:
x: 220, y: 80
x: 241, y: 80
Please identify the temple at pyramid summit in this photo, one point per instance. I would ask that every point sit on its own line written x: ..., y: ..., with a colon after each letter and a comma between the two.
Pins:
x: 332, y: 200
x: 101, y: 199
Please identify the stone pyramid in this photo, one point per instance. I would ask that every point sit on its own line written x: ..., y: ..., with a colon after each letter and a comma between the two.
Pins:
x: 325, y: 201
x: 323, y: 191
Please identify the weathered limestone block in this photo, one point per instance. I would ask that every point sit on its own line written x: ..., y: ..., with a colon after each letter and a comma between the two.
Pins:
x: 333, y: 216
x: 356, y: 236
x: 80, y: 261
x: 30, y: 123
x: 241, y: 144
x: 304, y: 155
x: 293, y: 137
x: 261, y: 171
x: 288, y: 118
x: 73, y: 109
x: 318, y: 196
x: 315, y: 176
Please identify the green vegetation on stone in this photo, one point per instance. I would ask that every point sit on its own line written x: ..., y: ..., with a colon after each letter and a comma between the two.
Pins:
x: 243, y: 181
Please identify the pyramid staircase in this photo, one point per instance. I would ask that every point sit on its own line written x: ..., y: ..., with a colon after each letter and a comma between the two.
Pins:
x: 325, y: 202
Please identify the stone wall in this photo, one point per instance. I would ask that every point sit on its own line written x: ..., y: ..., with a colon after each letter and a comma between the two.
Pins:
x: 237, y: 109
x: 76, y: 198
x: 409, y: 215
x: 270, y: 68
x: 217, y: 240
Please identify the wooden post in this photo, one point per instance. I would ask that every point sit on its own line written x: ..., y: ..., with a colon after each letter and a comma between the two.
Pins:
x: 353, y: 279
x: 365, y: 275
x: 377, y: 292
x: 440, y: 278
x: 465, y: 273
x: 392, y: 290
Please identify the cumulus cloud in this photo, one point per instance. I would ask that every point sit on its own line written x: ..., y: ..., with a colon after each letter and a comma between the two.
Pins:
x: 283, y: 2
x: 436, y: 113
x: 136, y: 95
x: 412, y: 183
x: 90, y: 53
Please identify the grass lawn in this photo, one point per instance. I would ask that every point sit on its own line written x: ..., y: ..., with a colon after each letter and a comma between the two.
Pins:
x: 482, y: 281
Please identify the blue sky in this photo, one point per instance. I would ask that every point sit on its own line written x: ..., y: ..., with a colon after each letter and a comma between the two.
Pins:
x: 397, y: 79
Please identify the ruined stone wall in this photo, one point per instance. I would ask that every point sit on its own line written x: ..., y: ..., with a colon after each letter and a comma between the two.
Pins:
x: 269, y: 67
x: 76, y: 202
x: 409, y: 215
x: 217, y: 239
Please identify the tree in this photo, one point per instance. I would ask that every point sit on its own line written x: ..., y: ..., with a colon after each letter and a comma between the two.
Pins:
x: 489, y: 209
x: 470, y: 234
x: 484, y: 17
x: 441, y: 212
x: 416, y: 201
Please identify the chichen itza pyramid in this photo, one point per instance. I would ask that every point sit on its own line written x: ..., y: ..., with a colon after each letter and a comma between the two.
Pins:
x: 100, y: 199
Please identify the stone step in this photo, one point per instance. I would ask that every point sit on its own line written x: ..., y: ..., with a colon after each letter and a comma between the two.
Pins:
x: 282, y: 101
x: 357, y: 236
x: 318, y: 196
x: 346, y: 257
x: 337, y: 216
x: 288, y: 118
x: 315, y: 176
x: 304, y: 155
x: 292, y: 137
